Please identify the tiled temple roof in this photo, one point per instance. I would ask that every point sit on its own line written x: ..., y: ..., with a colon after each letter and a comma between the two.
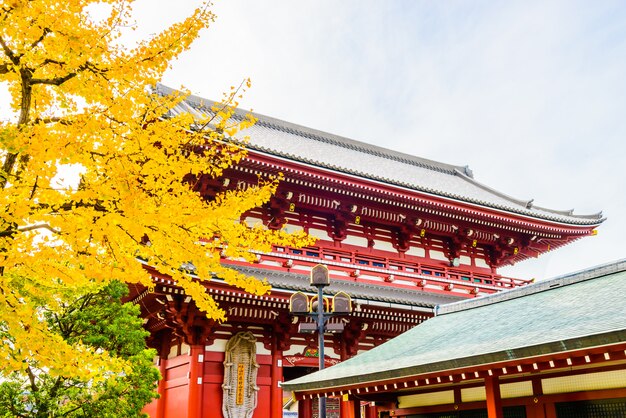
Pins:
x: 363, y: 293
x: 305, y: 145
x: 573, y: 312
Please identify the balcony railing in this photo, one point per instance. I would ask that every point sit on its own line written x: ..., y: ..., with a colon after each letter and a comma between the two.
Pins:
x: 389, y: 269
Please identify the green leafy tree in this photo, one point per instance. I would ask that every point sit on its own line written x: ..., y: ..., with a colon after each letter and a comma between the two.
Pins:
x: 101, y: 322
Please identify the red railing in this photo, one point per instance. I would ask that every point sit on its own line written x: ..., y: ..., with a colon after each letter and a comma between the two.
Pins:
x: 354, y: 264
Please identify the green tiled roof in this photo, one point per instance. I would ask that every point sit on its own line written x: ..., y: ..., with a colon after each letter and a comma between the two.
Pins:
x: 576, y: 311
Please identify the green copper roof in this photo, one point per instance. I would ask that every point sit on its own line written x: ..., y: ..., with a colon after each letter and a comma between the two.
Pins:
x: 584, y: 309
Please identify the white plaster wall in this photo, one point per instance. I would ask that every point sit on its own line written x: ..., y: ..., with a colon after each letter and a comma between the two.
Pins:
x: 416, y: 251
x: 437, y: 255
x: 384, y: 246
x: 320, y: 233
x: 354, y: 240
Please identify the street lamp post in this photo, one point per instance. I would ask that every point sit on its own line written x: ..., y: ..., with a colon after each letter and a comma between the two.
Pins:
x: 320, y: 325
x: 299, y: 305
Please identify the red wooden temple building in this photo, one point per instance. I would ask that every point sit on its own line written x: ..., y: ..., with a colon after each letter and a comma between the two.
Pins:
x: 562, y: 354
x: 399, y: 234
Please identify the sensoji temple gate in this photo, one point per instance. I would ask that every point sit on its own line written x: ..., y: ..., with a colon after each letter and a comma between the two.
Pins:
x: 400, y: 234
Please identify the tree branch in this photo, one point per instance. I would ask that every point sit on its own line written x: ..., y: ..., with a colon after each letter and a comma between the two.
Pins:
x: 67, y: 206
x: 7, y: 167
x: 225, y: 105
x: 56, y: 386
x: 15, y: 59
x: 32, y: 379
x: 45, y: 32
x: 34, y: 227
x: 129, y: 235
x: 69, y: 411
x: 54, y: 81
x: 60, y: 80
x: 56, y: 119
x: 34, y: 189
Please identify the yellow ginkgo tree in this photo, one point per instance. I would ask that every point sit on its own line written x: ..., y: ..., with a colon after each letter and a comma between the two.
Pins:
x: 83, y: 104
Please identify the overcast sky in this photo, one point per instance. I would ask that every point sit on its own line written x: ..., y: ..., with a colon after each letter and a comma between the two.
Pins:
x: 530, y: 94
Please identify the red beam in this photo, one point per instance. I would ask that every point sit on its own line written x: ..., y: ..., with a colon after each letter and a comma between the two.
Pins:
x: 196, y: 368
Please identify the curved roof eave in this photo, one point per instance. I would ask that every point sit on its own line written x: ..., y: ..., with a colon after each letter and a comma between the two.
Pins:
x: 592, y: 220
x: 473, y: 193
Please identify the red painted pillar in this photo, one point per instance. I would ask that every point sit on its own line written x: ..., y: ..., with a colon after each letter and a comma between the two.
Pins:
x: 347, y: 408
x: 550, y: 410
x: 371, y: 411
x: 494, y: 402
x: 305, y: 408
x: 196, y: 372
x: 535, y: 407
x: 160, y: 409
x: 276, y: 392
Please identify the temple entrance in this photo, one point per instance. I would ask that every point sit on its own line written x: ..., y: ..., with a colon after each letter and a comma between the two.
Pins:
x: 294, y: 372
x: 332, y: 408
x: 290, y: 407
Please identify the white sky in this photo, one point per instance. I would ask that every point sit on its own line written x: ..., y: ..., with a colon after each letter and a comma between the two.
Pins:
x: 530, y: 94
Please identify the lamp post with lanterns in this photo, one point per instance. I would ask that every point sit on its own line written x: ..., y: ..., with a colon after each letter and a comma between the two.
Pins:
x: 300, y: 305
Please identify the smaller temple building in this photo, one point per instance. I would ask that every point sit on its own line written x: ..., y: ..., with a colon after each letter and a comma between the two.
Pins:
x: 553, y: 349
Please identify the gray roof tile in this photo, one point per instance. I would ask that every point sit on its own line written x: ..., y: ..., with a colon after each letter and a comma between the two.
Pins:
x: 359, y: 291
x: 322, y: 149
